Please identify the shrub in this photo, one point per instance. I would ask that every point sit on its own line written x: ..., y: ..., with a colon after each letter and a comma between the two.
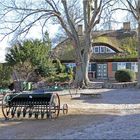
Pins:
x: 125, y: 75
x: 59, y: 67
x: 61, y: 77
x: 5, y: 83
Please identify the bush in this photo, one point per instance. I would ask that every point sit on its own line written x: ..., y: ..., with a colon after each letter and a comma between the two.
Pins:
x: 125, y: 75
x: 59, y: 67
x: 61, y: 77
x: 5, y: 83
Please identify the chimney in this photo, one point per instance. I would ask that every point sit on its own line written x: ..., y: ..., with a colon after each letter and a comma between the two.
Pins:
x: 126, y: 26
x: 80, y: 30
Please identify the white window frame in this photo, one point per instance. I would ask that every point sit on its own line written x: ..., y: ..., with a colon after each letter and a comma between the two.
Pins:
x: 134, y: 66
x: 102, y: 49
x: 96, y: 47
x: 109, y: 50
x: 121, y: 65
x: 71, y: 65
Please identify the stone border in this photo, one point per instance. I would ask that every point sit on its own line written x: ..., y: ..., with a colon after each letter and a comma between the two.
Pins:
x: 120, y: 85
x: 90, y: 95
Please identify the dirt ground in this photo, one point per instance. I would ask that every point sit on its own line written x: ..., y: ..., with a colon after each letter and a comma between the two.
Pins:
x: 113, y: 115
x: 35, y: 129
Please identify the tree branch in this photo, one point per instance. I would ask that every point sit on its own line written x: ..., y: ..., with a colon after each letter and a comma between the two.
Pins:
x: 72, y: 27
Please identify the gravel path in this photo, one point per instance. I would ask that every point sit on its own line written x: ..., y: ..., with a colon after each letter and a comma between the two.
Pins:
x: 115, y: 115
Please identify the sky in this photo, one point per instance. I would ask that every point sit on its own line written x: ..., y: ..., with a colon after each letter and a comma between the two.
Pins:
x: 35, y: 33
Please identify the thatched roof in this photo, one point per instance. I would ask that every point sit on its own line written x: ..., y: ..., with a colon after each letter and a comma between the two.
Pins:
x: 111, y: 42
x: 65, y: 52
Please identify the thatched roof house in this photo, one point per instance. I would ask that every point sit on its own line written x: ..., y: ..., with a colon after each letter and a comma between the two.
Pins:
x: 112, y: 50
x: 112, y: 39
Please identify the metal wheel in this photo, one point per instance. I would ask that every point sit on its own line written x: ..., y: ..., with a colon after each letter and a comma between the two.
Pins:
x: 65, y: 109
x: 54, y: 106
x: 6, y: 109
x: 18, y: 112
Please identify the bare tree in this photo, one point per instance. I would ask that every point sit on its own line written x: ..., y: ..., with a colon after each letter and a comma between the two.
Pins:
x: 133, y: 6
x: 130, y: 17
x: 25, y: 13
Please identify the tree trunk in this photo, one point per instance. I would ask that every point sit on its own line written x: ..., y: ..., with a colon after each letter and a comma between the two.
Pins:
x: 81, y: 77
x: 82, y: 63
x: 85, y: 67
x: 138, y: 46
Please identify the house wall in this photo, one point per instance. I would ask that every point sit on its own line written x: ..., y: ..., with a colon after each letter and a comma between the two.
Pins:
x: 111, y: 73
x: 112, y: 67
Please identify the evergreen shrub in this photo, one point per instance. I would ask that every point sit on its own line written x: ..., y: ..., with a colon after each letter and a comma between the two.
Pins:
x: 125, y: 75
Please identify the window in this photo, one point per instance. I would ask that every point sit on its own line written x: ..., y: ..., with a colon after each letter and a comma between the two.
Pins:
x: 89, y: 67
x: 93, y: 67
x: 102, y: 49
x: 128, y: 65
x: 121, y: 65
x: 108, y: 50
x: 71, y: 65
x: 114, y: 66
x: 134, y: 66
x: 96, y: 49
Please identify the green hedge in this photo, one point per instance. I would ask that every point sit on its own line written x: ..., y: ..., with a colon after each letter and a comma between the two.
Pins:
x: 125, y: 75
